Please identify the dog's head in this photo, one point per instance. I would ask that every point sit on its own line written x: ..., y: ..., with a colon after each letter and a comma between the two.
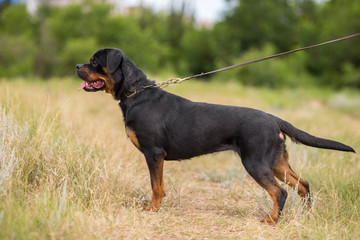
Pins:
x: 109, y: 70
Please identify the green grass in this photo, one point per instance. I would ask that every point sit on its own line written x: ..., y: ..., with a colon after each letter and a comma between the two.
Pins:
x: 68, y: 170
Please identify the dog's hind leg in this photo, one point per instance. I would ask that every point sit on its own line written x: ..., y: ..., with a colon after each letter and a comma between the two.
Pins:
x: 263, y: 174
x: 155, y: 164
x: 283, y: 172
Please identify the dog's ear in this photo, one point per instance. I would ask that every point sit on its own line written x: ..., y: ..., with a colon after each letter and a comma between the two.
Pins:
x: 113, y: 59
x: 132, y: 72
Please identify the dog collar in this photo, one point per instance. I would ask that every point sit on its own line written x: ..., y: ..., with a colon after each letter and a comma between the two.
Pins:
x: 136, y: 91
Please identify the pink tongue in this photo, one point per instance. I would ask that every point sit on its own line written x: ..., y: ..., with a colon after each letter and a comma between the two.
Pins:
x: 82, y: 85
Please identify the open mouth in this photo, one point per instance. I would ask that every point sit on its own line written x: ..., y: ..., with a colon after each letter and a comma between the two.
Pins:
x: 92, y: 86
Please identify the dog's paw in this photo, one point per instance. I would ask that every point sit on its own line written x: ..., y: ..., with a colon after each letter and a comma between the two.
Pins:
x: 269, y: 220
x: 151, y: 208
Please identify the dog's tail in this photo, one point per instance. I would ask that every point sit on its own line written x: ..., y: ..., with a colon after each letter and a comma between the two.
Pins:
x: 299, y: 136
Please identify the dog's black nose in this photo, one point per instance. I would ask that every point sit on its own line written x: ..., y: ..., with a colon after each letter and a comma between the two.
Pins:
x: 78, y: 66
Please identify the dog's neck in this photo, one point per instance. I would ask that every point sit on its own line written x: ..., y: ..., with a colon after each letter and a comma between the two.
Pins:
x: 126, y: 91
x: 140, y: 97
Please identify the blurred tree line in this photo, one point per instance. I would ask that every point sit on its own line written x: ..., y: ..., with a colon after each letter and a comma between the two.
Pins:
x: 52, y: 41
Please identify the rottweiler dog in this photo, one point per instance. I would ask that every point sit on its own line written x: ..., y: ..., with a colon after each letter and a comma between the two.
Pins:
x: 164, y: 126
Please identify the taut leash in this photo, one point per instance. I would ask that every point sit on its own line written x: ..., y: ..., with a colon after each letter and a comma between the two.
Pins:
x: 179, y: 80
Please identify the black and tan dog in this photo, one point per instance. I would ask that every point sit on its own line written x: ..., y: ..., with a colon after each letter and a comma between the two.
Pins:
x: 164, y: 126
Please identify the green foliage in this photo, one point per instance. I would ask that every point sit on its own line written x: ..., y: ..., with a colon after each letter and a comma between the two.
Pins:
x: 350, y: 76
x: 339, y: 18
x: 17, y: 58
x: 259, y: 22
x: 274, y: 73
x: 75, y: 51
x: 198, y: 53
x: 289, y: 24
x: 53, y: 40
x: 16, y: 40
x: 15, y: 20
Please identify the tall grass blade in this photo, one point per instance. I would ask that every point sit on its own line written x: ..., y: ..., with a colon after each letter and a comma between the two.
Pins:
x: 63, y: 197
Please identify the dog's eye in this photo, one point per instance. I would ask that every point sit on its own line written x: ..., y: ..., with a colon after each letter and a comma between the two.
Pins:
x: 93, y: 62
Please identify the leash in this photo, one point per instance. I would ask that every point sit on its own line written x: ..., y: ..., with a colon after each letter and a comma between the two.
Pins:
x: 179, y: 80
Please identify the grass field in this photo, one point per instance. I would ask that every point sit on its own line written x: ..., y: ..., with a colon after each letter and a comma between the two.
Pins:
x: 68, y: 171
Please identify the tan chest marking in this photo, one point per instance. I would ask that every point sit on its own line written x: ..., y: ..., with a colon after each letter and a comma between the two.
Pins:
x: 131, y: 134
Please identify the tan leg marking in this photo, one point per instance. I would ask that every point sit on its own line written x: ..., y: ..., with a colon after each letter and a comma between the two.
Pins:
x: 283, y: 170
x: 131, y: 134
x: 157, y: 185
x: 274, y: 193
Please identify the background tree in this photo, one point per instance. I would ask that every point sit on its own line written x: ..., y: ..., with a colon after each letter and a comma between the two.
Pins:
x: 50, y: 42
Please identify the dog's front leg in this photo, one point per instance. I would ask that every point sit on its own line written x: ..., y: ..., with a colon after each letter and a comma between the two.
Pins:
x: 155, y: 164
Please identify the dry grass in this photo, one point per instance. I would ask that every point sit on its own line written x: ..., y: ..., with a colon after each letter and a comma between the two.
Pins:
x: 68, y: 171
